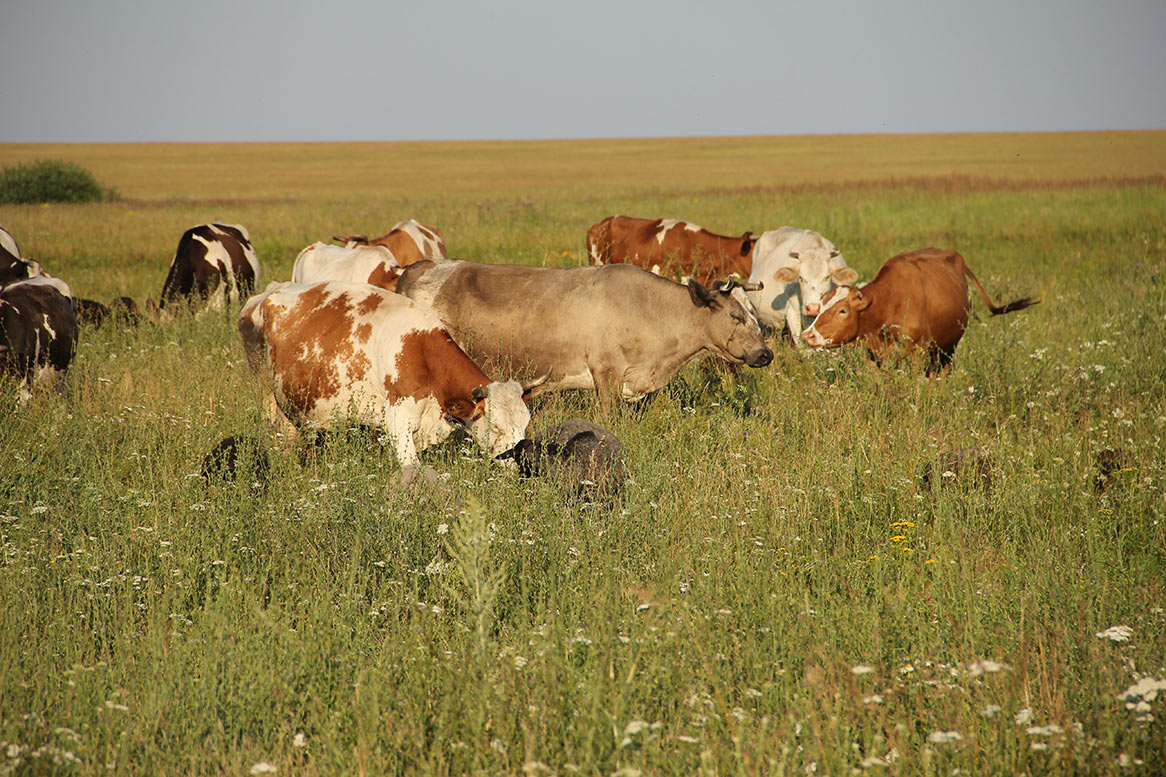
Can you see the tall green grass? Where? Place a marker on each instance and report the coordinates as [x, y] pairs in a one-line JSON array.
[[776, 539]]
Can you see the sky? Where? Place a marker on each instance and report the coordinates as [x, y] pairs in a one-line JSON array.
[[340, 70]]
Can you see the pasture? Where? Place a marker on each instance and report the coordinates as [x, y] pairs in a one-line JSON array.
[[807, 573]]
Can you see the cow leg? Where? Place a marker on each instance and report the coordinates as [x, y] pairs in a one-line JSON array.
[[606, 390], [793, 322], [278, 421]]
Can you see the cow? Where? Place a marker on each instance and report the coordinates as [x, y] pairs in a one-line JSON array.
[[670, 247], [919, 299], [614, 329], [409, 241], [795, 267], [214, 263], [372, 264], [38, 332], [350, 352]]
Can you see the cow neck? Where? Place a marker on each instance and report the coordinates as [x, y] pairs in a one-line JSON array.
[[453, 373]]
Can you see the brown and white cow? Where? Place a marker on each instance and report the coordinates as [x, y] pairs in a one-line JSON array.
[[918, 299], [410, 241], [672, 248], [614, 329], [214, 263], [349, 352], [38, 332], [372, 264]]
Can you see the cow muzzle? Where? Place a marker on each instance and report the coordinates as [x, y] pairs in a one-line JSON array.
[[759, 358], [812, 309], [814, 339]]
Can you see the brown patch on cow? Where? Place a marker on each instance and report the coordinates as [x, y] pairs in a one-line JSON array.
[[385, 277], [430, 364], [312, 340], [678, 250], [368, 304]]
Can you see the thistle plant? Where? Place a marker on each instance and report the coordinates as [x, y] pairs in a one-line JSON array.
[[477, 582]]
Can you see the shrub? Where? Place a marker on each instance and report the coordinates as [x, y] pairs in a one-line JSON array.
[[48, 180]]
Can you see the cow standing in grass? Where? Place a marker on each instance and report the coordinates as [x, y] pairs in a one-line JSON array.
[[346, 352], [214, 263], [795, 267], [918, 300], [38, 332], [616, 330]]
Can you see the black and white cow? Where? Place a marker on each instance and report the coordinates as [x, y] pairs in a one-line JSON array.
[[38, 332], [214, 263]]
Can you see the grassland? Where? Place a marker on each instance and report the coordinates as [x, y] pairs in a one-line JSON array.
[[779, 591]]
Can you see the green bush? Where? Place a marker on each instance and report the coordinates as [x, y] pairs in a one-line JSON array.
[[49, 180]]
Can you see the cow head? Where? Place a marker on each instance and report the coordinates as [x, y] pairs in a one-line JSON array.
[[731, 324], [816, 270], [500, 416], [837, 323]]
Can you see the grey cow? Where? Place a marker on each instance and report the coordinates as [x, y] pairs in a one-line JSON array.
[[614, 329]]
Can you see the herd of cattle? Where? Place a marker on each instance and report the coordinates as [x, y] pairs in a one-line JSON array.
[[393, 334]]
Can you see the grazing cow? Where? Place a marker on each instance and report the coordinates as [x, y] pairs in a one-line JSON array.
[[918, 298], [348, 351], [214, 262], [796, 267], [235, 455], [38, 332], [671, 248], [409, 241], [578, 452], [613, 329], [372, 264]]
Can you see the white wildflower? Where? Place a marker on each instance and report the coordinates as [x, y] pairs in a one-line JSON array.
[[443, 528], [991, 710], [1116, 633], [861, 669], [986, 667], [1044, 731], [874, 698], [1039, 746], [263, 767], [943, 737], [873, 760], [1022, 717], [299, 740]]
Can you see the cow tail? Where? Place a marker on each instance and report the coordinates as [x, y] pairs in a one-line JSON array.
[[599, 242], [1019, 304]]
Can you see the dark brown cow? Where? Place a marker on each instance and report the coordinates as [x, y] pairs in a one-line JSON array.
[[919, 299], [410, 241], [38, 332], [213, 262], [674, 249]]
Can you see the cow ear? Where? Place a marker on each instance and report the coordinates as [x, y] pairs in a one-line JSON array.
[[861, 301], [699, 294], [786, 275], [795, 255], [835, 253], [844, 276], [747, 243]]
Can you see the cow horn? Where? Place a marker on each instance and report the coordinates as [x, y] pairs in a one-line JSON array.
[[752, 286], [531, 383], [835, 253]]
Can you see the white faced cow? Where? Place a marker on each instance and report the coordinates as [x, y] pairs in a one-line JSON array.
[[372, 264], [351, 352], [614, 329], [214, 262], [796, 267]]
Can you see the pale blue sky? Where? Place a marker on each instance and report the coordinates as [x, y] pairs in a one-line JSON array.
[[123, 70]]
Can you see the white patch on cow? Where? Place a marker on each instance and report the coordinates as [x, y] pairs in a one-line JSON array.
[[667, 224], [435, 278], [356, 264], [595, 257], [49, 327]]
